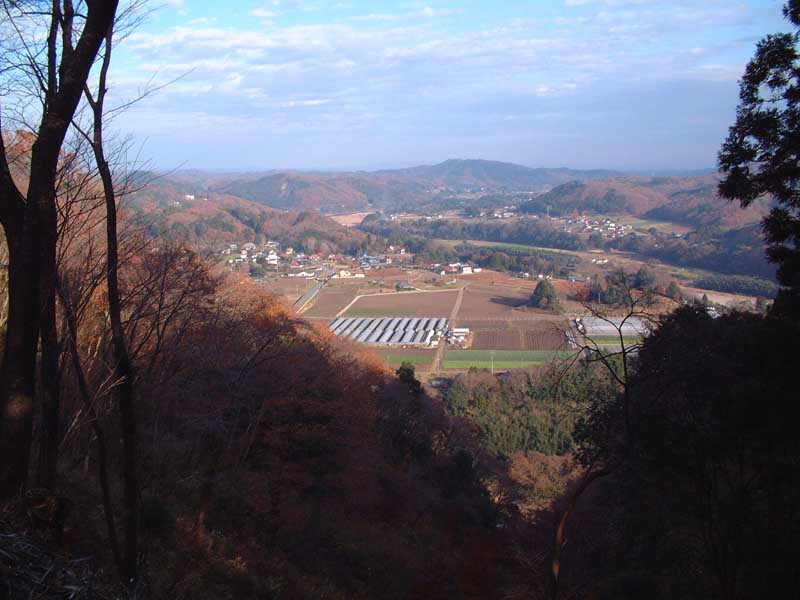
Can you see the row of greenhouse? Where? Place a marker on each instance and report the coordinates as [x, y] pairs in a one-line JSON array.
[[422, 331]]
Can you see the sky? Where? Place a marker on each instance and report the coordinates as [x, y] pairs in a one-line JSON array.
[[339, 85]]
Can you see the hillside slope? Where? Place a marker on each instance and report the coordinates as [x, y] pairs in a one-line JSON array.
[[690, 200], [166, 208]]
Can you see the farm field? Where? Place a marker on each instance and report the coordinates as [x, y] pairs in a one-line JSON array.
[[483, 301], [714, 296], [500, 359], [350, 219], [508, 246], [647, 224], [610, 340], [329, 303], [530, 335], [406, 304], [394, 357], [617, 260], [290, 289]]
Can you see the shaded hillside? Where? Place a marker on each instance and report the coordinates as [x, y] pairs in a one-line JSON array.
[[690, 200], [300, 191], [398, 189], [165, 210], [494, 174]]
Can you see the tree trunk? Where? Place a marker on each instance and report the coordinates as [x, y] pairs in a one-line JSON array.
[[30, 227], [18, 385], [49, 435], [123, 367], [102, 453], [123, 372]]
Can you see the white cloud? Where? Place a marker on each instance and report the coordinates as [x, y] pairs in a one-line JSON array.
[[416, 73], [315, 102], [263, 13]]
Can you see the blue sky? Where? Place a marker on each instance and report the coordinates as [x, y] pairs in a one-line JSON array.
[[307, 84]]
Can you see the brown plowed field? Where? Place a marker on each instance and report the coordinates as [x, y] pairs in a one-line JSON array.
[[289, 288], [502, 335], [327, 304], [482, 300], [406, 304]]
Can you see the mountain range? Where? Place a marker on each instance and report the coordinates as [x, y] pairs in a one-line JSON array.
[[394, 189], [236, 205]]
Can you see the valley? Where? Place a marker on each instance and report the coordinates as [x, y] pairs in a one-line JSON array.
[[408, 243]]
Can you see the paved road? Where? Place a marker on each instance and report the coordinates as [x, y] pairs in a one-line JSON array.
[[437, 358], [306, 298]]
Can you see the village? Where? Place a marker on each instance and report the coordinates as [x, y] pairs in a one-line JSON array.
[[271, 260]]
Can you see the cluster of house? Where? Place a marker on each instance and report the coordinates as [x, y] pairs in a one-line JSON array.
[[270, 254], [507, 212], [454, 269], [606, 227], [252, 253]]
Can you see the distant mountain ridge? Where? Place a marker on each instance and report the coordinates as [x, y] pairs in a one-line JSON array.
[[690, 199], [397, 188], [479, 172]]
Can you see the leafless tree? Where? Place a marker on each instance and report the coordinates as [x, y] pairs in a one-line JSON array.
[[54, 71]]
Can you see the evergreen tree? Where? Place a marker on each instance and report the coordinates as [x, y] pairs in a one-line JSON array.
[[760, 155], [645, 279], [673, 291], [544, 296]]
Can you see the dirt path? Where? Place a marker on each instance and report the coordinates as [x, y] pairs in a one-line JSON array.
[[437, 358]]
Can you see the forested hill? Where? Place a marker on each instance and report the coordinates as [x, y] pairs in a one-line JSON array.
[[395, 189], [175, 209], [495, 174], [690, 200]]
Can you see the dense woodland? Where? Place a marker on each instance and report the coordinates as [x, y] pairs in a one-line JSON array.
[[169, 431], [732, 252]]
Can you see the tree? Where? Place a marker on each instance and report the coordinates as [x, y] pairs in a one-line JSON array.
[[761, 154], [407, 374], [673, 290], [58, 67], [597, 240], [544, 296], [645, 279], [711, 472]]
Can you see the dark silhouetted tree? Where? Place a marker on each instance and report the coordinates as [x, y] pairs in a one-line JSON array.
[[762, 152], [59, 66], [645, 279]]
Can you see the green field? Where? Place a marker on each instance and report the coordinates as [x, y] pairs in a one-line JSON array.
[[415, 359], [613, 340], [647, 224], [503, 359], [507, 246]]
